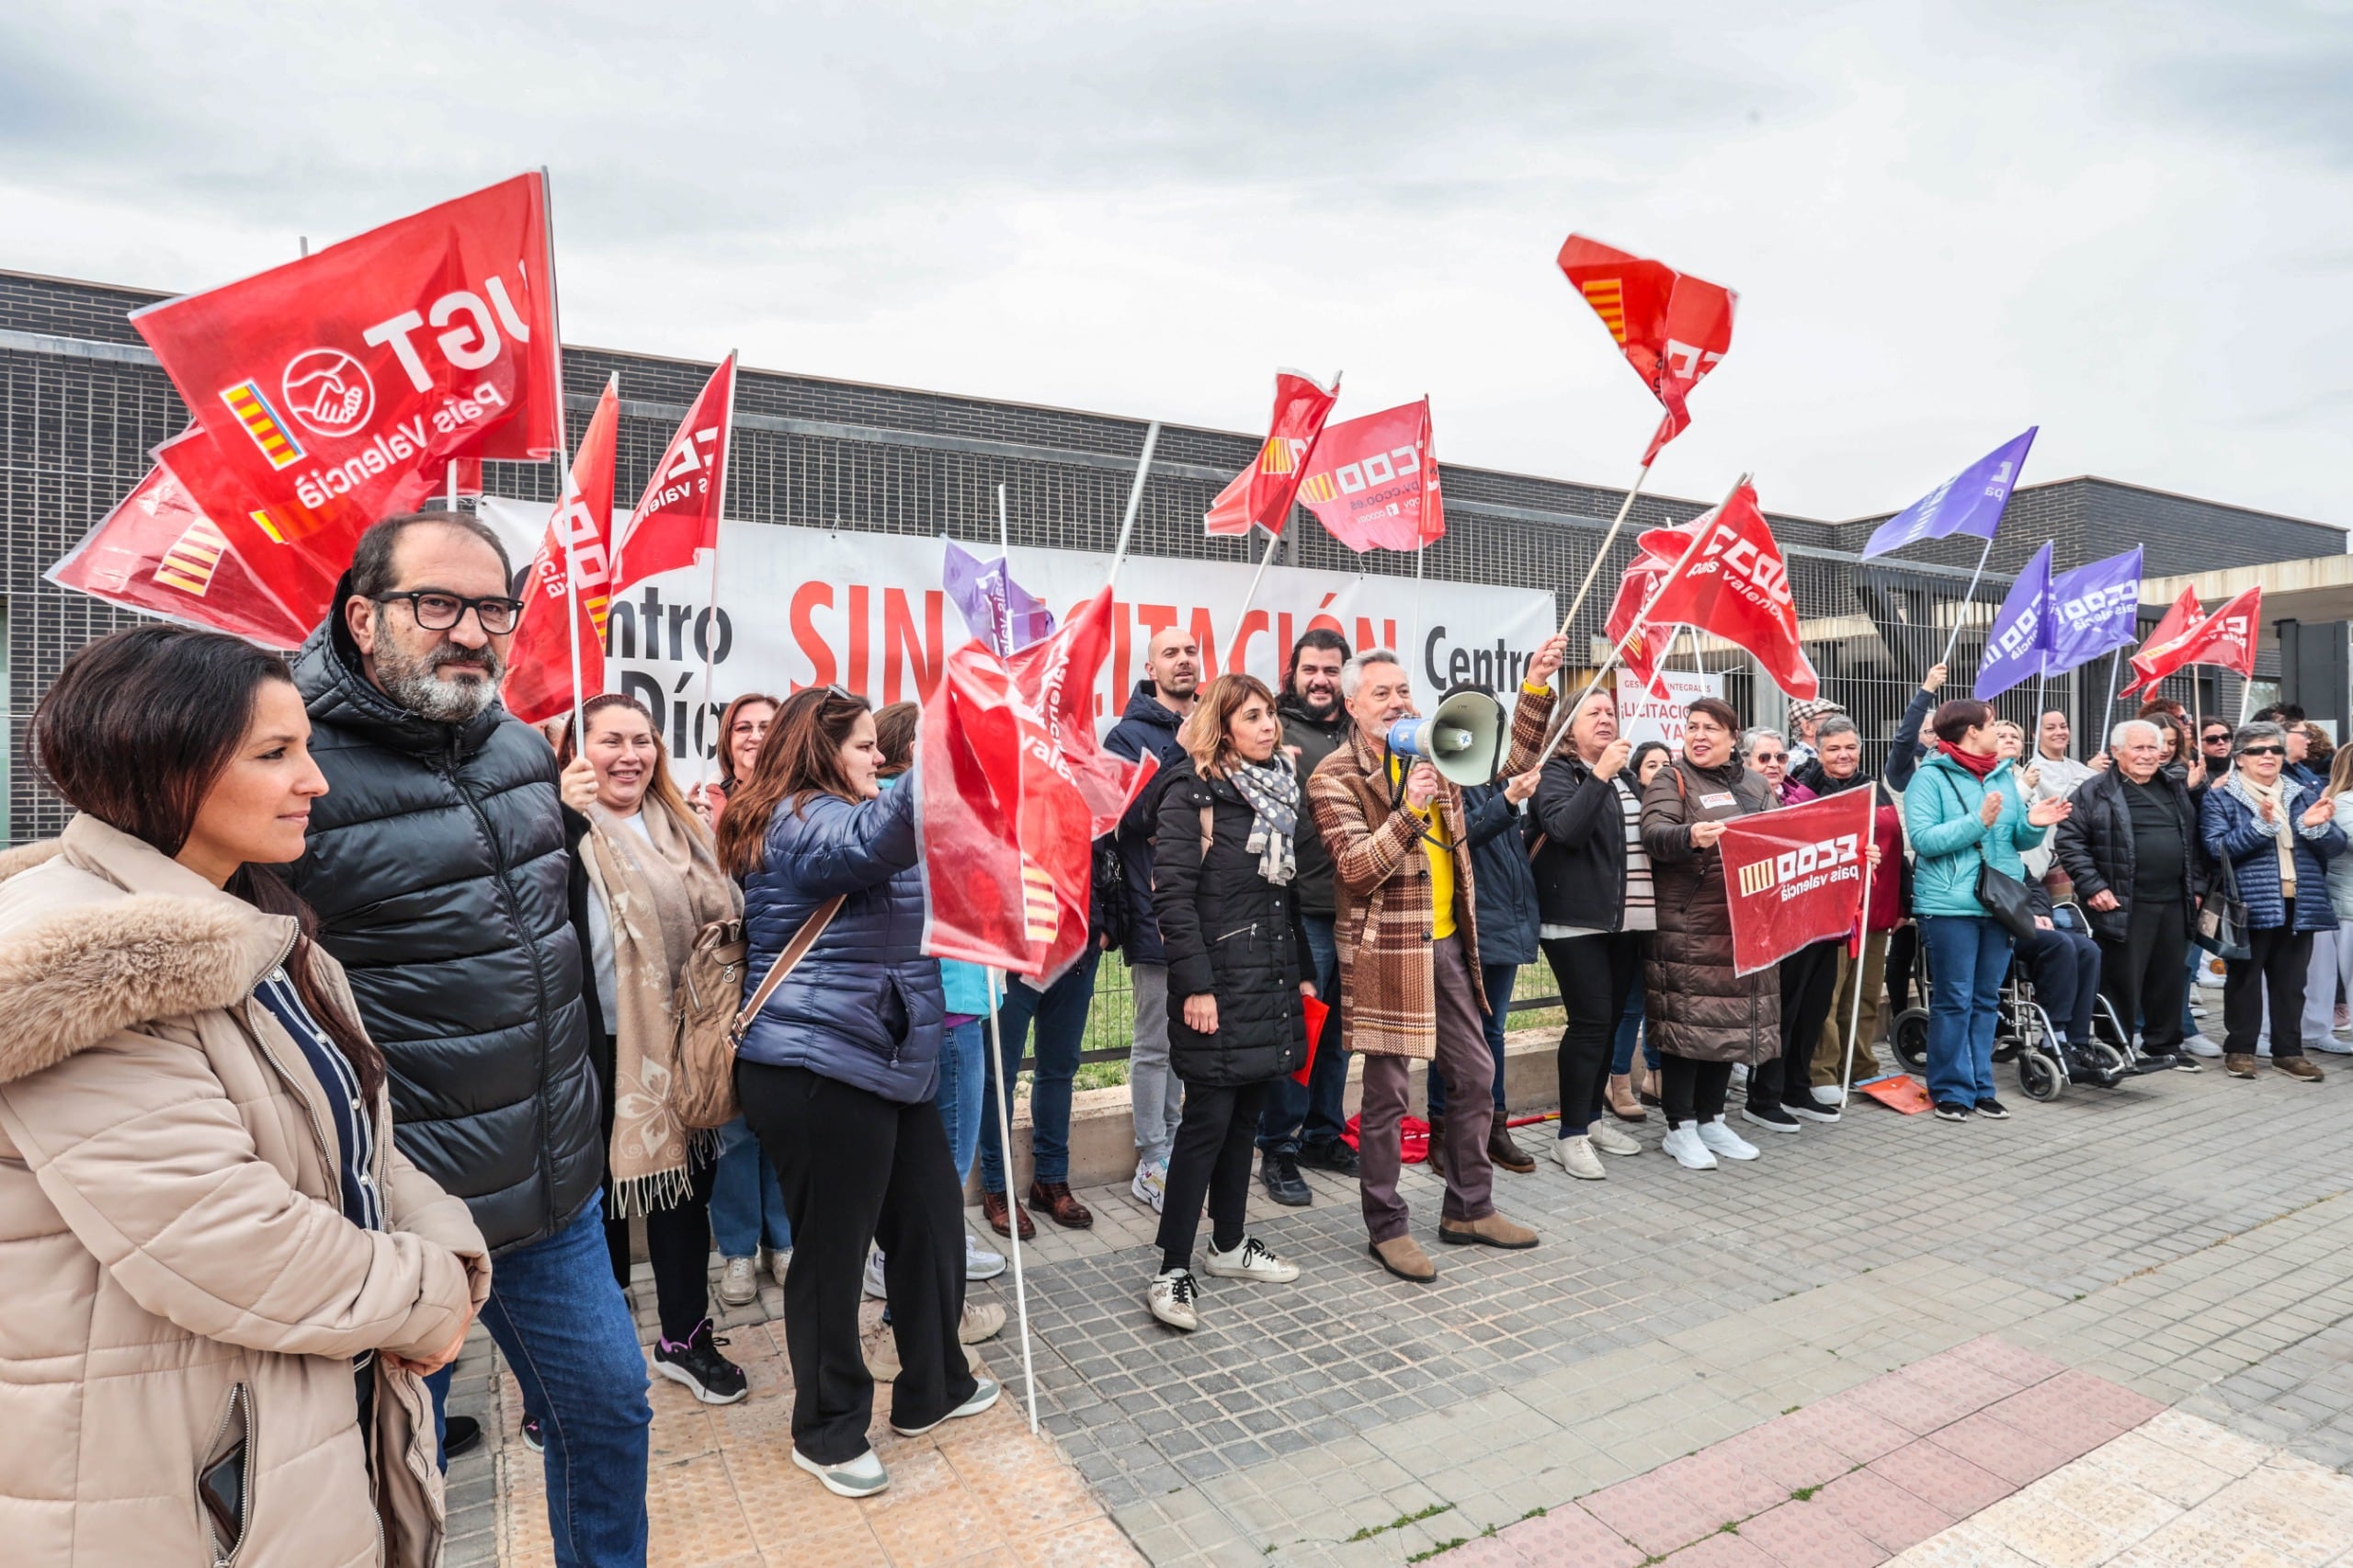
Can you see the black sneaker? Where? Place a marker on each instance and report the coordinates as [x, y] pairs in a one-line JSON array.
[[459, 1435], [1994, 1109], [1279, 1172], [1772, 1118], [1335, 1156], [533, 1439], [2085, 1067], [714, 1379], [1952, 1110]]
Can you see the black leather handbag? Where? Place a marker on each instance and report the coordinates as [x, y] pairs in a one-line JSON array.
[[2003, 897], [2222, 917]]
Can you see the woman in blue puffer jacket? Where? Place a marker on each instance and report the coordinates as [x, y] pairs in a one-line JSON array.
[[2277, 834], [835, 1073]]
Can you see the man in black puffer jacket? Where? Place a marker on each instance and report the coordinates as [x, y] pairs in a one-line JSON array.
[[438, 865]]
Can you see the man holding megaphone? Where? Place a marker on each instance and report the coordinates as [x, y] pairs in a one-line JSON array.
[[1389, 805]]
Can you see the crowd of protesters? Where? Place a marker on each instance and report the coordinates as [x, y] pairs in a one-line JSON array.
[[348, 1014]]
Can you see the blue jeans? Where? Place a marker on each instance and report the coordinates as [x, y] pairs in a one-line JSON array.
[[566, 1333], [1315, 1112], [1630, 1033], [1496, 978], [746, 1209], [1060, 1015], [963, 1094], [1968, 955]]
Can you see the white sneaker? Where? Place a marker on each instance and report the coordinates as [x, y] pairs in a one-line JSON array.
[[2334, 1046], [1610, 1141], [982, 1397], [1151, 1186], [778, 1263], [982, 1320], [861, 1477], [1723, 1141], [1251, 1260], [979, 1262], [2199, 1045], [739, 1282], [1683, 1143], [1576, 1156], [874, 1286], [1171, 1300], [1828, 1097]]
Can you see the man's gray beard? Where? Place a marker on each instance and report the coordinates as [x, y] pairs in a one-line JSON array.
[[414, 684]]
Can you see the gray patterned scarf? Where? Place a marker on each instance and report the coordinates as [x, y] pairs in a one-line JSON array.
[[1272, 790]]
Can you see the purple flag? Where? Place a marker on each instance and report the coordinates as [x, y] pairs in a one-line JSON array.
[[2019, 642], [996, 609], [1971, 502], [2092, 609]]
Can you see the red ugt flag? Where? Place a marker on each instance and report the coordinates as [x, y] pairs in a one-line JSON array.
[[579, 544], [678, 514], [2180, 617], [336, 389], [157, 553], [1794, 877], [1261, 494], [1375, 480], [1736, 586], [1672, 327]]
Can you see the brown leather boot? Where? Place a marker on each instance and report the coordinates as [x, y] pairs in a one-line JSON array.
[[2302, 1067], [1404, 1257], [1624, 1104], [994, 1208], [1487, 1230], [1054, 1198], [1437, 1159], [1502, 1152]]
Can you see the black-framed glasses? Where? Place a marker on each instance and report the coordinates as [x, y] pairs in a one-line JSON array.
[[2264, 751], [2219, 738], [440, 612]]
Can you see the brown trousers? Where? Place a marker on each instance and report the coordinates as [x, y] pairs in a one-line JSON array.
[[1469, 1071]]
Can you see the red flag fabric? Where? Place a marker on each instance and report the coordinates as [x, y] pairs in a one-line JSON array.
[[1316, 1014], [678, 514], [1672, 327], [1643, 645], [1736, 586], [157, 553], [579, 544], [1373, 482], [983, 904], [1261, 494], [300, 582], [2180, 617], [335, 387], [2225, 638], [1794, 877]]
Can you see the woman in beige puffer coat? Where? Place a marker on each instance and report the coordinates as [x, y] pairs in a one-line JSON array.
[[186, 1306]]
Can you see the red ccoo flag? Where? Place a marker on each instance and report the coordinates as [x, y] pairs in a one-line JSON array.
[[336, 389], [575, 552], [1261, 494], [2225, 638], [1794, 877], [1643, 645], [1374, 484], [1672, 327], [2180, 617], [1734, 585], [678, 514], [983, 902]]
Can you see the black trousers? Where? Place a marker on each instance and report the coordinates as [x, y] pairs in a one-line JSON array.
[[1211, 1159], [2280, 957], [2144, 975], [1903, 955], [678, 1245], [2064, 967], [1692, 1091], [855, 1168], [1809, 985], [1595, 975]]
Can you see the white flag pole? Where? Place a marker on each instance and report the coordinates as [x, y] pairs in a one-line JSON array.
[[711, 629], [1012, 1199], [1005, 581], [1862, 958], [1257, 578], [1968, 597], [1602, 553], [1135, 500]]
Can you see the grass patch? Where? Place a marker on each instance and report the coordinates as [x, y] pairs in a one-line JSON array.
[[1803, 1494], [1441, 1546], [1402, 1520], [1534, 1514]]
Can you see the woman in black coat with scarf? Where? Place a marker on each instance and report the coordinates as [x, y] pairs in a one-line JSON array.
[[1221, 890]]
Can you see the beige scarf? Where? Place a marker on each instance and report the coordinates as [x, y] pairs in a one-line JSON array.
[[2282, 831], [658, 892]]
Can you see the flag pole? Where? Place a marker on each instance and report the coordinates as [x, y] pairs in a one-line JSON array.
[[1257, 577], [1005, 583], [1968, 597], [2042, 691], [1602, 553], [1135, 499], [1862, 956], [1012, 1203], [1617, 649], [710, 637]]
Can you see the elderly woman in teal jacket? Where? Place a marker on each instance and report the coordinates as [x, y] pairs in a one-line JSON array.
[[1963, 812]]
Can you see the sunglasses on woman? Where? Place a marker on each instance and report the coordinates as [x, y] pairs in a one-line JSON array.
[[2264, 751]]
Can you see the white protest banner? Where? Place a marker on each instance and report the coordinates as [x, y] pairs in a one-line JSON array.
[[1642, 717], [808, 607]]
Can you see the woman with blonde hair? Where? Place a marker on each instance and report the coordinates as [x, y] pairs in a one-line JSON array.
[[1224, 869]]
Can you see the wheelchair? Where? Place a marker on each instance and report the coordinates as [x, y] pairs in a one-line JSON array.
[[2024, 1034]]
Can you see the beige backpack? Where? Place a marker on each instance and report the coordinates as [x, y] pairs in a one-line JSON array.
[[712, 1013]]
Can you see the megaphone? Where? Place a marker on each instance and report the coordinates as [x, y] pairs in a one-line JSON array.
[[1463, 740]]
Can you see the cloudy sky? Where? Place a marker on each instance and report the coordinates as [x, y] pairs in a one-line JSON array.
[[2130, 223]]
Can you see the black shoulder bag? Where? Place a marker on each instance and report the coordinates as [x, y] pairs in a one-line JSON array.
[[2002, 897]]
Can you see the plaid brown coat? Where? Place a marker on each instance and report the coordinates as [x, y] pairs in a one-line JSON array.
[[1381, 885]]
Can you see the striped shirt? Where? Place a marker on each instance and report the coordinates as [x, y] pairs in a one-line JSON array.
[[354, 1134], [1640, 912]]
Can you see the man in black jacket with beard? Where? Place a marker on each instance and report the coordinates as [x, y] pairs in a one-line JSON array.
[[1304, 1124], [438, 865]]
